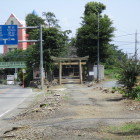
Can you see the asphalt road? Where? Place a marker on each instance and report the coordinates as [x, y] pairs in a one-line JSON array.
[[12, 96]]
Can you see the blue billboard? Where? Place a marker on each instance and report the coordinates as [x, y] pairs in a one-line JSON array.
[[8, 35]]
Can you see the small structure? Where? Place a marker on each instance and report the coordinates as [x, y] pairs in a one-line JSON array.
[[101, 72], [10, 79], [75, 65]]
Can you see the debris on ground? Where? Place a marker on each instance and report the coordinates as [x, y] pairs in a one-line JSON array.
[[73, 113]]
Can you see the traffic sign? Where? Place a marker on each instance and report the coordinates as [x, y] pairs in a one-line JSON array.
[[8, 35]]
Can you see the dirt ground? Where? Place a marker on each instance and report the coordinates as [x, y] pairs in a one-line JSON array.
[[73, 112]]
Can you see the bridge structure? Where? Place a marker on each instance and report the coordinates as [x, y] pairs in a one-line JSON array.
[[15, 64]]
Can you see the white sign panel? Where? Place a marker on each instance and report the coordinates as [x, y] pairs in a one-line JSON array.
[[91, 73], [10, 77]]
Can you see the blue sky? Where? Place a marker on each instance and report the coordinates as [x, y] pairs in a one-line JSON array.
[[124, 14]]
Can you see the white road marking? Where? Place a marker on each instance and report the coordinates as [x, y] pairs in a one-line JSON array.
[[5, 112]]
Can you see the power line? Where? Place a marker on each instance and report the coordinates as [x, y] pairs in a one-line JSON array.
[[123, 41], [129, 43], [129, 48], [126, 44], [125, 35]]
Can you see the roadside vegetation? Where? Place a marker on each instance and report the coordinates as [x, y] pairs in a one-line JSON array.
[[110, 73], [127, 131], [128, 76]]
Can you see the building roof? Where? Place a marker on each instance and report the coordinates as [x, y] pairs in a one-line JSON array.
[[34, 13], [21, 22]]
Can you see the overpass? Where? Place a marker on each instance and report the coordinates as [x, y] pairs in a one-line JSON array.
[[14, 64]]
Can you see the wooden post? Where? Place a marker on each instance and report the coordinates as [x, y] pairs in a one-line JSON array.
[[80, 72], [60, 72]]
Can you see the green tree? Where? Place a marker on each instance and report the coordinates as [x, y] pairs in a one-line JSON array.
[[115, 57], [55, 43], [94, 7], [50, 19], [129, 71], [17, 55], [32, 61], [1, 57], [87, 34], [33, 20]]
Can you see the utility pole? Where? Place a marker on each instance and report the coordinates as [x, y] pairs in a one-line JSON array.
[[98, 53], [41, 58], [136, 45]]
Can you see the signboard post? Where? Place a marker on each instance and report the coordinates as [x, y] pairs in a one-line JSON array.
[[8, 35]]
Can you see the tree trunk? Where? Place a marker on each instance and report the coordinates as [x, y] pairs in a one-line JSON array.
[[49, 76]]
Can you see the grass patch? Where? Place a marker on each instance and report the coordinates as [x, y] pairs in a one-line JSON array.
[[131, 127], [127, 128], [128, 131], [137, 99], [66, 97], [111, 73]]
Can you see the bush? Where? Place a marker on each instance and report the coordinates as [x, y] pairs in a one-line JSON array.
[[136, 93], [129, 71]]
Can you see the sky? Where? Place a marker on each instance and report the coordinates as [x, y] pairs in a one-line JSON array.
[[123, 13]]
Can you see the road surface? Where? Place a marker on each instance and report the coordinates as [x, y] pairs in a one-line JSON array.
[[12, 96]]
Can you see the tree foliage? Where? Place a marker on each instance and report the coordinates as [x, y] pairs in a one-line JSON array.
[[55, 43], [94, 7], [116, 56], [129, 72], [33, 20], [17, 55], [87, 34], [50, 19]]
